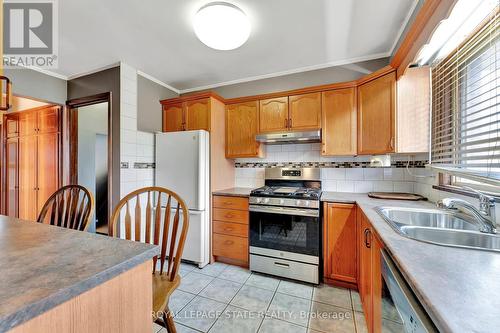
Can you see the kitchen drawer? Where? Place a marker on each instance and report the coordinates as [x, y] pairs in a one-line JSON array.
[[232, 247], [230, 202], [231, 229], [230, 215]]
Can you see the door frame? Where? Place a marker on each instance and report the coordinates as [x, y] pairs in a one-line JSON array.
[[71, 123]]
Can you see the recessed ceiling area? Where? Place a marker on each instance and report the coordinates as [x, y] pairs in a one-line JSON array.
[[157, 37]]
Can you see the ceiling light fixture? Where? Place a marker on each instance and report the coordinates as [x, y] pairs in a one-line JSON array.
[[221, 26]]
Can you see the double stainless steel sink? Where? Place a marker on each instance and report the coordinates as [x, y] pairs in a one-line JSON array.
[[439, 226]]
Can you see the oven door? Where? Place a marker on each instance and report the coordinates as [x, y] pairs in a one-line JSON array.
[[401, 311], [288, 229]]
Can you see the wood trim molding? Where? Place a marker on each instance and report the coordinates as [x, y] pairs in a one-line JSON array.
[[427, 19], [375, 75], [192, 97]]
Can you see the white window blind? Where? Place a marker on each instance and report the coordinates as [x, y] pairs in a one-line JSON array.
[[465, 104]]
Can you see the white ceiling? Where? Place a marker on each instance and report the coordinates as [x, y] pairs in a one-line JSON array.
[[156, 37]]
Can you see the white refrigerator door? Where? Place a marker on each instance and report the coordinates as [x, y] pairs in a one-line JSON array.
[[182, 165]]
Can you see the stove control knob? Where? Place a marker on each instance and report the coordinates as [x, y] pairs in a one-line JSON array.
[[307, 203], [282, 201], [266, 200], [298, 203], [258, 200]]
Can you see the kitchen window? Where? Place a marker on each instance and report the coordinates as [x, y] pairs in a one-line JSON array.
[[466, 112]]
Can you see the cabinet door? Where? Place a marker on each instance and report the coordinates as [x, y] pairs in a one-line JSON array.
[[365, 267], [28, 123], [12, 155], [48, 120], [48, 167], [241, 128], [305, 111], [339, 132], [173, 119], [340, 249], [197, 115], [28, 177], [12, 127], [273, 115], [376, 115], [376, 284]]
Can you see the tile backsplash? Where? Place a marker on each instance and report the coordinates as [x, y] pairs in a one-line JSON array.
[[341, 174]]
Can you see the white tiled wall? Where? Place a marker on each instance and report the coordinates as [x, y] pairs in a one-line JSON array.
[[343, 179], [333, 179], [135, 146]]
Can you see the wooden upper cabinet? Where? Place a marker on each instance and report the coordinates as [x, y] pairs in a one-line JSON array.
[[305, 111], [197, 114], [173, 118], [48, 120], [340, 247], [28, 123], [413, 110], [377, 115], [338, 113], [273, 115], [241, 129]]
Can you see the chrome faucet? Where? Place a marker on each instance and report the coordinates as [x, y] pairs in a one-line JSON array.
[[485, 215]]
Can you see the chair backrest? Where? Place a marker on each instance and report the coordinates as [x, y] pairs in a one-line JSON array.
[[71, 207], [149, 226]]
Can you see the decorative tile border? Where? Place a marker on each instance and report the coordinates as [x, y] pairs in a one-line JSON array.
[[137, 165], [337, 165], [144, 165]]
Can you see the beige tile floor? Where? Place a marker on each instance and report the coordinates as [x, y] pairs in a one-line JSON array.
[[221, 298]]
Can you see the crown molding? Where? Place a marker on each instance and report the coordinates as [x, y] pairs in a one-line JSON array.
[[288, 72], [92, 71], [44, 71], [161, 83], [404, 25]]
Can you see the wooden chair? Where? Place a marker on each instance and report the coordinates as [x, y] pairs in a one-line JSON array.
[[70, 207], [167, 279]]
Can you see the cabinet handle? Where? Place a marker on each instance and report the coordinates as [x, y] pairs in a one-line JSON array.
[[391, 143], [286, 123], [228, 229], [229, 215], [290, 123], [367, 241], [228, 242]]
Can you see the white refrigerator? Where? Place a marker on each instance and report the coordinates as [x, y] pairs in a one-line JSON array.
[[183, 166]]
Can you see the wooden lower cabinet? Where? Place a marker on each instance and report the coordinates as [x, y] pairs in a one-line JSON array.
[[340, 247], [230, 220], [370, 275]]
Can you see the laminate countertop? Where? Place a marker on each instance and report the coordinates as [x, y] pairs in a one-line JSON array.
[[42, 266], [235, 192], [459, 288]]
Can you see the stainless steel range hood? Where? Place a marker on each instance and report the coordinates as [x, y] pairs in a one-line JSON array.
[[290, 137]]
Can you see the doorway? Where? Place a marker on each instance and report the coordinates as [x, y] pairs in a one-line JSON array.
[[90, 153]]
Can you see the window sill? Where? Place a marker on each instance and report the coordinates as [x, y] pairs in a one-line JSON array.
[[461, 191]]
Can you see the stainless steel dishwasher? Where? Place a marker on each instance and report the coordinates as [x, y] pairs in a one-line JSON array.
[[401, 311]]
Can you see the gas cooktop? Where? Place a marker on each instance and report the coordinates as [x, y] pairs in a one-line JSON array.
[[287, 192]]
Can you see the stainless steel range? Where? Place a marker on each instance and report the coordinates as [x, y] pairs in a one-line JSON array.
[[285, 224]]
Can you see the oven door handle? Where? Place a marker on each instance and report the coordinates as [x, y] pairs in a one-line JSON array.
[[285, 211]]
